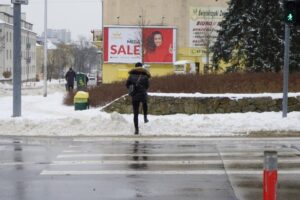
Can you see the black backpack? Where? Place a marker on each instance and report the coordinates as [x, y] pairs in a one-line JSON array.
[[132, 87]]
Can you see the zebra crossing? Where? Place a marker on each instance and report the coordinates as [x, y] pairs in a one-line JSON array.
[[179, 157], [146, 168]]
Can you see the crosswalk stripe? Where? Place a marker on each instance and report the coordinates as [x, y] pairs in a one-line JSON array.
[[131, 155], [188, 172], [163, 162], [182, 138], [149, 162], [128, 162], [173, 154]]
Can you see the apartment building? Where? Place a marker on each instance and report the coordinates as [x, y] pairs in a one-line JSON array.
[[28, 46], [58, 35]]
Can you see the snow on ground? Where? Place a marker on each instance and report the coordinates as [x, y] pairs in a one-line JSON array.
[[47, 116]]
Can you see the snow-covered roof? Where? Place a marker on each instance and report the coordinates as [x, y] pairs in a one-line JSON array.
[[50, 45]]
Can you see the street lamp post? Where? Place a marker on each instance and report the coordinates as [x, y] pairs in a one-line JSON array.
[[102, 31], [45, 50], [17, 68]]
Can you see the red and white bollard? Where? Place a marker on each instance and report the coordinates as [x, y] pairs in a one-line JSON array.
[[270, 175]]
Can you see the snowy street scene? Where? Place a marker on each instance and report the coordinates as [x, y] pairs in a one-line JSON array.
[[103, 157], [149, 100]]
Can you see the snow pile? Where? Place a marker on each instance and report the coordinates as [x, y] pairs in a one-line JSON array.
[[33, 88], [47, 116]]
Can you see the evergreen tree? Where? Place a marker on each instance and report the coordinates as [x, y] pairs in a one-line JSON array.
[[295, 49], [251, 36]]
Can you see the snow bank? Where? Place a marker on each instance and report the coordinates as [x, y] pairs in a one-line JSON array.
[[47, 116]]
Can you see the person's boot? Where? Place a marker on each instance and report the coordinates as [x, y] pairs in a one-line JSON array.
[[136, 132], [146, 119]]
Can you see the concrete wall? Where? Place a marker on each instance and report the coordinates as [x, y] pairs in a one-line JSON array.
[[204, 105]]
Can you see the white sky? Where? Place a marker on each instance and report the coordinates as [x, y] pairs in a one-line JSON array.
[[49, 117], [78, 16]]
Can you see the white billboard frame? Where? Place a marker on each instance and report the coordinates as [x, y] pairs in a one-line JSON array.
[[122, 61]]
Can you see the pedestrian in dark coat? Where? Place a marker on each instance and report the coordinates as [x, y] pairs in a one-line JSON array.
[[139, 77], [70, 78]]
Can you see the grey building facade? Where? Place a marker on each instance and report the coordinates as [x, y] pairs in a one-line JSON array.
[[28, 40]]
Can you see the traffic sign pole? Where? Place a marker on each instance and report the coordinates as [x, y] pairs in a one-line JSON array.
[[286, 71]]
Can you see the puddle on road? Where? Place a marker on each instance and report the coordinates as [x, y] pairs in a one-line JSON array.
[[138, 148]]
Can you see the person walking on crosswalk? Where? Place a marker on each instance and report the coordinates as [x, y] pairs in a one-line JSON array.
[[139, 80]]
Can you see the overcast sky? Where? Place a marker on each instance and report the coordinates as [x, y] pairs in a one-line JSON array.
[[78, 16]]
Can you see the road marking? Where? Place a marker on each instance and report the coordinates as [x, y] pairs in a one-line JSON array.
[[190, 172], [71, 151], [131, 155], [149, 162], [184, 138], [23, 163], [131, 172], [128, 162], [248, 154], [168, 162]]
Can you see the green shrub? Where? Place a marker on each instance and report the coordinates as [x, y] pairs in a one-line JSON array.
[[6, 74]]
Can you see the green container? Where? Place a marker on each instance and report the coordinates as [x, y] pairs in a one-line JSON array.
[[81, 80], [81, 106], [81, 100]]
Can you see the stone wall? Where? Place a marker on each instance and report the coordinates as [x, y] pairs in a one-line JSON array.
[[160, 105]]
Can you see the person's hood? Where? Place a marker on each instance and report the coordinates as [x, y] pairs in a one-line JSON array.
[[140, 70]]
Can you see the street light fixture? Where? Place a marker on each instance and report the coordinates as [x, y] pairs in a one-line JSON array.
[[24, 2]]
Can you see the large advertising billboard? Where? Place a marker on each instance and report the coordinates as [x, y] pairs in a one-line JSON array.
[[124, 45], [203, 27], [159, 45]]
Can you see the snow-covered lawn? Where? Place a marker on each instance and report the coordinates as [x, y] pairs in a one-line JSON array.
[[47, 116]]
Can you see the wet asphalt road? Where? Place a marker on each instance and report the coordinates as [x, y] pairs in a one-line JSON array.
[[33, 168]]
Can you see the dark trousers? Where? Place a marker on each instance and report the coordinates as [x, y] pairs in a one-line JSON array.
[[70, 87], [136, 106]]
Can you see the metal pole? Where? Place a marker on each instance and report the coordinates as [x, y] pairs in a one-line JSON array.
[[102, 54], [270, 175], [17, 71], [286, 71], [45, 50]]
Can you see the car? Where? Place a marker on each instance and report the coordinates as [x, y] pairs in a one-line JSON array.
[[92, 80]]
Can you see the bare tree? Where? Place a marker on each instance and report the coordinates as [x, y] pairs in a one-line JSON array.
[[208, 38], [85, 56], [141, 24]]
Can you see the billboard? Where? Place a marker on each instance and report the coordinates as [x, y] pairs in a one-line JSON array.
[[203, 26], [124, 44], [159, 45]]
